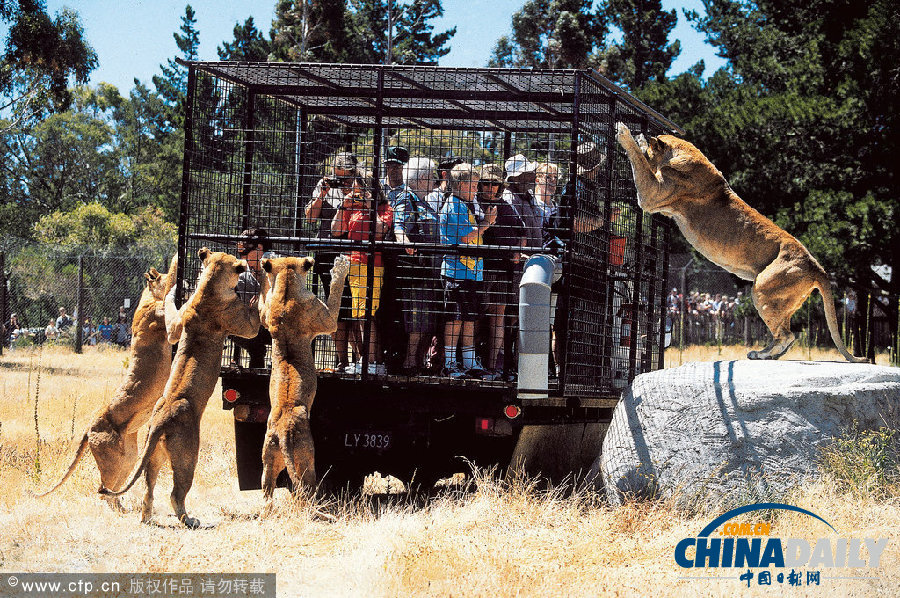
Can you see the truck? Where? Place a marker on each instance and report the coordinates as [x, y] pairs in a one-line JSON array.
[[259, 139]]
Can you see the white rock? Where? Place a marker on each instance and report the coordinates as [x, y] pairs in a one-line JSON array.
[[737, 430]]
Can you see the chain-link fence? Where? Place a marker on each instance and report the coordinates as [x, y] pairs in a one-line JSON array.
[[70, 296], [708, 306]]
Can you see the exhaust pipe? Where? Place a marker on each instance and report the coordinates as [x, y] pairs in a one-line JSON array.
[[541, 271]]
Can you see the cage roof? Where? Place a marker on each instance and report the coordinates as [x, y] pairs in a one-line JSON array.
[[436, 97]]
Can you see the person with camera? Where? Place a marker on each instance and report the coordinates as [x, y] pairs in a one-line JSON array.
[[352, 221], [328, 195]]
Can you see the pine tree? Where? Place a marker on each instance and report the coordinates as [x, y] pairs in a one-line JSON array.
[[309, 31], [171, 85], [644, 53], [552, 34], [249, 44]]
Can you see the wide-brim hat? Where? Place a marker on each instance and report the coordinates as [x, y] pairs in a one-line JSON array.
[[396, 155], [518, 165], [590, 156], [491, 173]]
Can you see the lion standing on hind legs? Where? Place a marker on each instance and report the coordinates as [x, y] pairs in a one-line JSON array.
[[673, 178], [213, 312], [112, 436], [294, 316]]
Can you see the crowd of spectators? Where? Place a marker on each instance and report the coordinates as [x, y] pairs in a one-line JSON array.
[[62, 330]]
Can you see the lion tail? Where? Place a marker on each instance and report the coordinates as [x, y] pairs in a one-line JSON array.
[[824, 287], [153, 437], [78, 454]]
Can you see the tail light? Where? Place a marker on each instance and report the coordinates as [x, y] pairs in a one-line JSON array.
[[231, 395]]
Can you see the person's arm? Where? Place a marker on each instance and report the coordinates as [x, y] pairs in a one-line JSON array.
[[490, 216], [340, 224], [314, 207], [403, 222]]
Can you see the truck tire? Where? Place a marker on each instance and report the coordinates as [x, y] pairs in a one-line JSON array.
[[557, 452]]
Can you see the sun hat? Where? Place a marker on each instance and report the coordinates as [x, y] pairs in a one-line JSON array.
[[518, 165]]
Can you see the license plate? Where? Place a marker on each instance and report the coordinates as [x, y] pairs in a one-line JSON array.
[[377, 441]]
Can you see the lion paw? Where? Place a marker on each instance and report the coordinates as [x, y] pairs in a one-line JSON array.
[[190, 522], [341, 267], [642, 142], [623, 133]]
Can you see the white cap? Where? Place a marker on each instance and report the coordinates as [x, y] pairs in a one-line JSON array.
[[518, 165]]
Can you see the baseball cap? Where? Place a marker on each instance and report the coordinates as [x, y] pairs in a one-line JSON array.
[[396, 155]]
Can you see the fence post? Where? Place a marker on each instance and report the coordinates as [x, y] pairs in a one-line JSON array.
[[78, 305], [3, 320]]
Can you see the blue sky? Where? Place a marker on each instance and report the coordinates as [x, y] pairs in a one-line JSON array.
[[133, 37]]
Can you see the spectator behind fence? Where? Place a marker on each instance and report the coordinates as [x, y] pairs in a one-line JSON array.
[[88, 332], [502, 270], [352, 221], [327, 197], [51, 332], [519, 192], [121, 334], [435, 199], [546, 179], [415, 221], [63, 322], [11, 330], [462, 274], [254, 242], [105, 330]]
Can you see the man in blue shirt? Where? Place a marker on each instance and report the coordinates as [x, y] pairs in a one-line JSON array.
[[416, 222]]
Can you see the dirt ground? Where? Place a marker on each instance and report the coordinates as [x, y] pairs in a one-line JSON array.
[[495, 540]]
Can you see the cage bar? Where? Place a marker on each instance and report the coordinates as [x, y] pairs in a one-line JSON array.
[[265, 140]]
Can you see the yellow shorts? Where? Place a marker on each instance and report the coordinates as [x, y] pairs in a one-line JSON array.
[[358, 289]]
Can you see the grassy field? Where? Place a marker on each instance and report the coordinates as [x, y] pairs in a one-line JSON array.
[[498, 540]]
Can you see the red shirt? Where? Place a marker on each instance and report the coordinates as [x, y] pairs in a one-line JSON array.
[[356, 222]]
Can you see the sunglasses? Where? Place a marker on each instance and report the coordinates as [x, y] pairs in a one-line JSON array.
[[244, 249]]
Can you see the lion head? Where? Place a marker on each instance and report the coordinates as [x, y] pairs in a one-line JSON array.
[[220, 274]]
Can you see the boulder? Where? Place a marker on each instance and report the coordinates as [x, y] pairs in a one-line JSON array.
[[737, 431]]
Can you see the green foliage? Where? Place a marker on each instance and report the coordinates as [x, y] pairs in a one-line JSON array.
[[309, 31], [804, 124], [644, 54], [93, 225], [864, 463], [552, 34], [171, 85], [249, 44], [357, 31], [41, 56]]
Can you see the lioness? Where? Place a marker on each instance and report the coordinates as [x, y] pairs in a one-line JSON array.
[[213, 312], [112, 436], [294, 316], [673, 178]]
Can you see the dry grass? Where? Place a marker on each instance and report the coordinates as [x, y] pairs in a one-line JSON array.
[[498, 540]]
